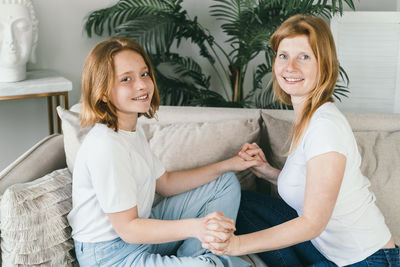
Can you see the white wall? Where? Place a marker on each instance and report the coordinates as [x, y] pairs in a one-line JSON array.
[[63, 47]]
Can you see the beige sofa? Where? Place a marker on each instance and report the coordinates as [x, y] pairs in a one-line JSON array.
[[182, 137]]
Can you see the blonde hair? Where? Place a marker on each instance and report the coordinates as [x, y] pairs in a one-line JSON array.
[[98, 80], [323, 46]]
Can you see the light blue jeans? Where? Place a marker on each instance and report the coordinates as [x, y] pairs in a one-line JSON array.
[[223, 194]]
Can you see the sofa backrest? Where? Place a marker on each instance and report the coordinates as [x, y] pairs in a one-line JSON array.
[[179, 114]]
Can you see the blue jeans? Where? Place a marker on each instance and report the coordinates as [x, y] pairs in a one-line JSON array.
[[259, 211], [381, 258], [223, 194]]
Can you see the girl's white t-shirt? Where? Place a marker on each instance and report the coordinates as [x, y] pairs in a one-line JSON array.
[[114, 171], [357, 228]]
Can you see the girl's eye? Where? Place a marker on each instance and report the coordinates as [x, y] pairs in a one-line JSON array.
[[145, 74], [125, 79]]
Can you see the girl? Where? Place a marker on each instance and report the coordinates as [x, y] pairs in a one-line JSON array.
[[116, 176], [328, 200]]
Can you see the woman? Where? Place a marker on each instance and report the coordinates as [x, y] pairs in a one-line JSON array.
[[328, 201]]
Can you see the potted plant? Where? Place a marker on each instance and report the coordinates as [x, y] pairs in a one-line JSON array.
[[160, 26]]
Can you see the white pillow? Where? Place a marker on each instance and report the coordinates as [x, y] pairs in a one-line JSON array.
[[34, 227], [73, 134]]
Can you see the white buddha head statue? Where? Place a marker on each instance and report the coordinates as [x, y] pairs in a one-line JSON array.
[[18, 38]]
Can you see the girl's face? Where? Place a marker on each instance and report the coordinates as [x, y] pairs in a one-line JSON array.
[[296, 67], [133, 87]]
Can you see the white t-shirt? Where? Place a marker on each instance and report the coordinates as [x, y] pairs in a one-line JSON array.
[[114, 171], [357, 228]]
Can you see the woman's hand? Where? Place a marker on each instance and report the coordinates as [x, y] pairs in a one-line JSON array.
[[214, 228], [251, 152], [254, 151], [229, 247]]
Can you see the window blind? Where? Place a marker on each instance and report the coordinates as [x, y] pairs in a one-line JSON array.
[[368, 46]]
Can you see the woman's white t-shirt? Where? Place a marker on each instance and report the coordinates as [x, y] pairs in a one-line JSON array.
[[114, 171], [357, 228]]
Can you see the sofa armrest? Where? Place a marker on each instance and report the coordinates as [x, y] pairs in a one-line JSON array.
[[45, 156]]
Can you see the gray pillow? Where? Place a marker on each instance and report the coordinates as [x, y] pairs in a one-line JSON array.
[[274, 139], [34, 227], [194, 144], [380, 151]]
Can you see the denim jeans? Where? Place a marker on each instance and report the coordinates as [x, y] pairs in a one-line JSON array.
[[223, 194], [259, 211]]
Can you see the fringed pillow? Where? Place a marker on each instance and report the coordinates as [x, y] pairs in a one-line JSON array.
[[34, 227]]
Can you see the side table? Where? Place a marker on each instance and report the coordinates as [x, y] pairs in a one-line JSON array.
[[40, 83]]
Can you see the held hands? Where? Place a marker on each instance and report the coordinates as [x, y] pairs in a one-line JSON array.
[[215, 232], [242, 160], [252, 152]]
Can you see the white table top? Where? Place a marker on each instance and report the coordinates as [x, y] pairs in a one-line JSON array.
[[36, 82]]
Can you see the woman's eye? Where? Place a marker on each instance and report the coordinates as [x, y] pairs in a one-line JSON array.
[[145, 74], [126, 79], [282, 56], [304, 57]]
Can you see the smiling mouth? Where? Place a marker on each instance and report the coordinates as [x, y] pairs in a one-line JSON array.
[[293, 79], [143, 97]]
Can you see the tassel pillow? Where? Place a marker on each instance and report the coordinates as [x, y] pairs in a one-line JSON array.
[[34, 227]]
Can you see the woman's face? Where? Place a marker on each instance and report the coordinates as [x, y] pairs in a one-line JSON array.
[[16, 35], [296, 67]]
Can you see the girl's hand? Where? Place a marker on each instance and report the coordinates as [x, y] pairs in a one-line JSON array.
[[229, 247], [237, 163], [214, 227]]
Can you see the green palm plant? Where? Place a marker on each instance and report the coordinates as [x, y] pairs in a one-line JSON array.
[[161, 26]]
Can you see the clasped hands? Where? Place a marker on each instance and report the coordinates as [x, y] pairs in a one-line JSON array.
[[215, 232], [217, 229]]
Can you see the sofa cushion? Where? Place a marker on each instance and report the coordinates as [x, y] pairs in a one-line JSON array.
[[380, 162], [34, 228], [194, 144], [274, 139]]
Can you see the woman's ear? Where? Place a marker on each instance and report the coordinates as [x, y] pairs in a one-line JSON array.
[[104, 99]]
